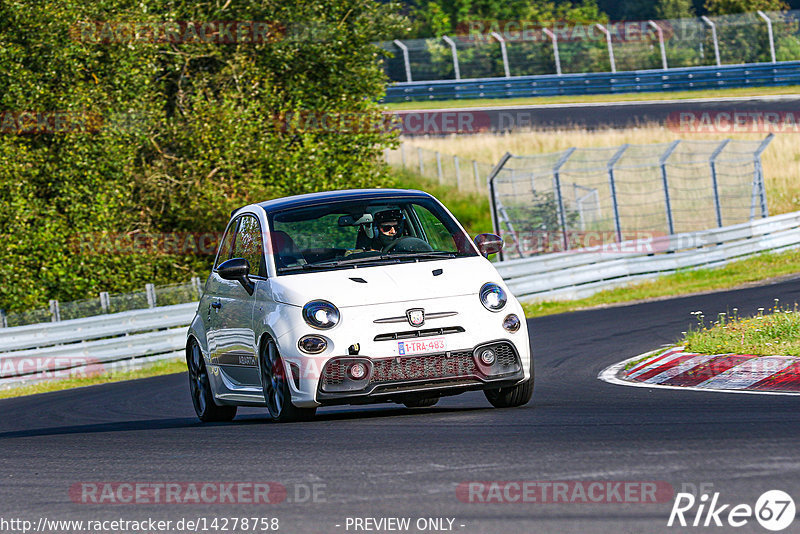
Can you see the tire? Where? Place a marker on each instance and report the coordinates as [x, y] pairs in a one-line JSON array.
[[207, 410], [275, 385], [421, 403], [513, 396]]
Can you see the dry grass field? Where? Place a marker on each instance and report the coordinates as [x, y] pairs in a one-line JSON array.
[[781, 160]]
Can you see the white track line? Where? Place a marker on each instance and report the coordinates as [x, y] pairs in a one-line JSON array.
[[611, 375]]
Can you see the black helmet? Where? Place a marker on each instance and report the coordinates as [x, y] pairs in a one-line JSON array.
[[394, 217]]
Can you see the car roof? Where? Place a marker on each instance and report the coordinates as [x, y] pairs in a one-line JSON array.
[[311, 199]]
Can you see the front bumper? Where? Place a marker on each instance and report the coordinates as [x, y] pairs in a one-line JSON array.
[[425, 375]]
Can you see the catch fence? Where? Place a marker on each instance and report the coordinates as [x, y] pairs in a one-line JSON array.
[[585, 197], [504, 49]]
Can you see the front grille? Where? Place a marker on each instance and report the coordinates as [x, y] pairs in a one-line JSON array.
[[409, 334], [427, 367], [506, 357], [334, 373]]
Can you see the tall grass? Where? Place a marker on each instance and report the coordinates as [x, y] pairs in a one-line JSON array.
[[781, 160]]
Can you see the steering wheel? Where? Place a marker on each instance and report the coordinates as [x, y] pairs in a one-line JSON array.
[[410, 244], [393, 244]]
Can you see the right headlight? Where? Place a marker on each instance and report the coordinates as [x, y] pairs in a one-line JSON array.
[[493, 297], [320, 314]]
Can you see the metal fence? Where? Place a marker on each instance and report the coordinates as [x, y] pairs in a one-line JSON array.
[[152, 296], [446, 169], [514, 48], [555, 202]]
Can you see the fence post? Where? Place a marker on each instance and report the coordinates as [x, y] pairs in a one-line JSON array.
[[769, 34], [104, 301], [609, 45], [150, 290], [657, 28], [439, 167], [759, 175], [406, 61], [403, 154], [714, 184], [662, 161], [613, 188], [3, 319], [55, 312], [492, 203], [454, 53], [554, 40], [503, 51], [477, 176], [713, 37], [198, 286], [458, 173], [421, 166], [557, 186]]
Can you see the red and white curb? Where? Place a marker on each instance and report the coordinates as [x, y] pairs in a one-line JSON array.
[[731, 373]]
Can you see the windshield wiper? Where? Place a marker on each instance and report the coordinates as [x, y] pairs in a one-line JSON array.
[[433, 254]]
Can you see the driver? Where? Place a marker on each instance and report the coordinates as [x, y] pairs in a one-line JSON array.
[[389, 225]]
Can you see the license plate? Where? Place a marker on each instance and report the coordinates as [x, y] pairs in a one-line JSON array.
[[422, 346]]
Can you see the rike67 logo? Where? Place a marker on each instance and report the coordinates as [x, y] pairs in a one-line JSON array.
[[774, 510]]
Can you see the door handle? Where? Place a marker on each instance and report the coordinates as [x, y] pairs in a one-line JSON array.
[[216, 305]]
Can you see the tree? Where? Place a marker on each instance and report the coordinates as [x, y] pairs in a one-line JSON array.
[[170, 135], [730, 7]]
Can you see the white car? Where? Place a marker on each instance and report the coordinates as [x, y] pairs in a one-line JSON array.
[[353, 297]]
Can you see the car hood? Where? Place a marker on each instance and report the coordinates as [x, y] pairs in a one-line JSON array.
[[383, 284]]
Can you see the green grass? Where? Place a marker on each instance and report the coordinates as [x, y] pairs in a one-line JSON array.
[[472, 210], [166, 367], [747, 271], [624, 97], [776, 333]]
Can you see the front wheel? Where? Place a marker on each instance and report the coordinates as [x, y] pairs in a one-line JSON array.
[[275, 385], [513, 396], [202, 397]]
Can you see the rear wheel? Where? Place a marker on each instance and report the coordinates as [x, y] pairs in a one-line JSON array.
[[275, 385], [513, 396], [421, 403], [202, 397]]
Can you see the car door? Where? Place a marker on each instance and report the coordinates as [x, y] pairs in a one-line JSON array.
[[210, 304], [236, 338]]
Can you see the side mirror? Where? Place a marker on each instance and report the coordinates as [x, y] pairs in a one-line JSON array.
[[237, 269], [488, 244]]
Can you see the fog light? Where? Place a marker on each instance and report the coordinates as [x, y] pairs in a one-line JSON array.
[[487, 356], [357, 371], [511, 323], [312, 344]]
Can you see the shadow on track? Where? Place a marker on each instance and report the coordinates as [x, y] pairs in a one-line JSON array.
[[248, 419]]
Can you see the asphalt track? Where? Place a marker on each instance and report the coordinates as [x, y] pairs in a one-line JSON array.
[[624, 114], [389, 461]]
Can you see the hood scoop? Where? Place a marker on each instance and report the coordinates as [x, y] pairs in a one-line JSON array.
[[358, 279], [437, 272]]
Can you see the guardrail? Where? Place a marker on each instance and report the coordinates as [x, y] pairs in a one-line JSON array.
[[93, 344], [638, 81], [581, 273]]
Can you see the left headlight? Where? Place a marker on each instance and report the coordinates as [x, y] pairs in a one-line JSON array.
[[493, 297], [320, 314]]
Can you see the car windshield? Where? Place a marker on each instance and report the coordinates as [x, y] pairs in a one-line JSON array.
[[349, 234]]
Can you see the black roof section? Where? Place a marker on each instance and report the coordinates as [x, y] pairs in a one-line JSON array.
[[312, 199]]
